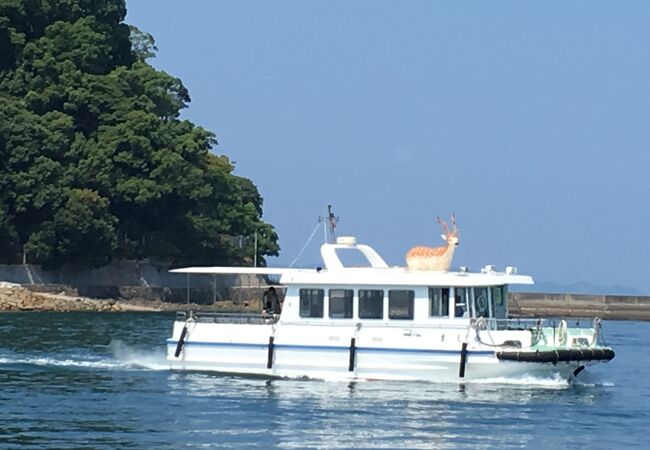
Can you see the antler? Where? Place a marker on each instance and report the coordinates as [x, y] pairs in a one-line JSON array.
[[453, 224], [445, 228]]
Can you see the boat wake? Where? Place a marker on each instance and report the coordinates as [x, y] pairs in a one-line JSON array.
[[138, 358], [125, 357], [121, 357], [552, 382], [549, 382], [67, 362]]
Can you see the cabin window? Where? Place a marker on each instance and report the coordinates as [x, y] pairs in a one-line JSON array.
[[371, 304], [481, 304], [340, 303], [400, 305], [461, 302], [438, 302], [499, 304], [311, 302]]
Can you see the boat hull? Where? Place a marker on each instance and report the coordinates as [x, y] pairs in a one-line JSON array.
[[366, 363]]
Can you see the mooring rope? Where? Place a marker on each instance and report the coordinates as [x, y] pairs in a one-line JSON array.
[[302, 250]]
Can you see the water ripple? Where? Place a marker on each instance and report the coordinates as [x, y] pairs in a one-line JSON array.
[[101, 381]]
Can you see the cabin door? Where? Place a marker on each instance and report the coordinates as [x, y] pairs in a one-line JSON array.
[[500, 306], [481, 304]]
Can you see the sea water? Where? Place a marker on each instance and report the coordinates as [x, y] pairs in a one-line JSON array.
[[88, 380]]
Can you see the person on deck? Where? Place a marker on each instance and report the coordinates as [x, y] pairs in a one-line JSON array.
[[271, 302]]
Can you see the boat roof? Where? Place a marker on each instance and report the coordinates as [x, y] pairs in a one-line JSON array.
[[377, 274], [234, 270], [400, 276]]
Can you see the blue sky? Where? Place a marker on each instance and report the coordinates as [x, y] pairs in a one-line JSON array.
[[529, 120]]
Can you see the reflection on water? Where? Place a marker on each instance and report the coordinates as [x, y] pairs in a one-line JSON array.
[[100, 381], [298, 413]]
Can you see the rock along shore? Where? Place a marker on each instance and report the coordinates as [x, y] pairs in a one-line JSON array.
[[14, 297]]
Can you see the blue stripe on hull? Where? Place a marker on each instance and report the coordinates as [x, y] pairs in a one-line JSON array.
[[328, 348]]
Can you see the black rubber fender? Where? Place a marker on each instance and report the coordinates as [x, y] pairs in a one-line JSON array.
[[560, 355], [181, 342]]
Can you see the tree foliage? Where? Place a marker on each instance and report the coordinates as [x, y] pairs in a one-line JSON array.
[[95, 161]]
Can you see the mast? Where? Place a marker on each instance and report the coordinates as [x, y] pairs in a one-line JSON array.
[[329, 226]]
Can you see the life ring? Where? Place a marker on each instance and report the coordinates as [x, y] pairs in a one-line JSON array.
[[481, 302], [562, 332]]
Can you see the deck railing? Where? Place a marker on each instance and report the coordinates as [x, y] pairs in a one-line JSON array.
[[238, 318], [527, 324], [482, 323]]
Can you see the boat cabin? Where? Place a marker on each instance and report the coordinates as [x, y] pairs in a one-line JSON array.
[[379, 293], [373, 292]]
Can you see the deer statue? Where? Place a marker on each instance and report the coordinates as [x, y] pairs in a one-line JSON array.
[[438, 258]]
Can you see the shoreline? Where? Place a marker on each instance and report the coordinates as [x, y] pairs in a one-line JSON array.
[[608, 307], [17, 298]]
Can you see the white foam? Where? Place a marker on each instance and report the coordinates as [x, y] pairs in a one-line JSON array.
[[555, 382], [594, 384], [124, 358], [103, 364], [527, 380], [138, 357]]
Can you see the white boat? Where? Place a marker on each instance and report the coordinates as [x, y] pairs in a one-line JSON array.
[[381, 322]]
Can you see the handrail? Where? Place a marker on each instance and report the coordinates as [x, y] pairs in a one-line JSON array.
[[395, 324], [527, 323], [492, 324], [236, 318]]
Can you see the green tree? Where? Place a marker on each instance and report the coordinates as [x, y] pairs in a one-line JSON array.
[[82, 230], [95, 161], [144, 45]]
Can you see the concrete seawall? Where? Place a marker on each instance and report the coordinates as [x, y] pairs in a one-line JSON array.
[[613, 307], [133, 280]]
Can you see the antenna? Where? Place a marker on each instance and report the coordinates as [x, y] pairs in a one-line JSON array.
[[329, 225]]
